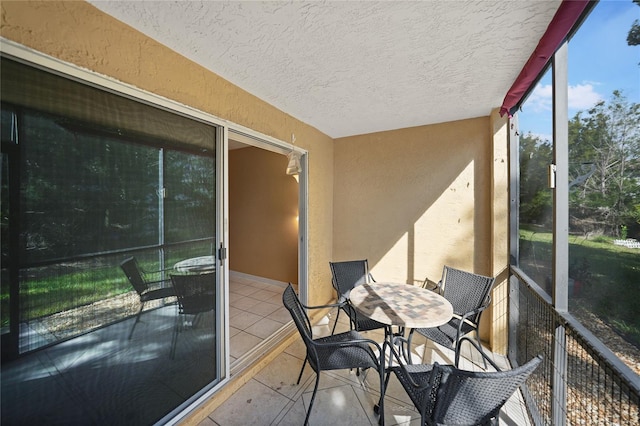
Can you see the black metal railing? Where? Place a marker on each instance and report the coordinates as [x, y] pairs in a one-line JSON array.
[[581, 382]]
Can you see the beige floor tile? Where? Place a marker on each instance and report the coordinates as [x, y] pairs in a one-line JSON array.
[[241, 343], [207, 422], [264, 328], [244, 320], [281, 315], [252, 404], [336, 405], [234, 311], [275, 299], [282, 374], [263, 294], [245, 303], [238, 291], [265, 309], [297, 349], [294, 415]]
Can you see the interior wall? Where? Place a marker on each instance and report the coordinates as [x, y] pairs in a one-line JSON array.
[[416, 199], [80, 34], [263, 215]]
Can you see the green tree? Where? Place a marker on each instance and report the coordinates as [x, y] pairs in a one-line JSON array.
[[607, 137], [633, 38], [535, 196]]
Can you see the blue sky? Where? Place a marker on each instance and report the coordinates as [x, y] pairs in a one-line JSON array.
[[600, 61]]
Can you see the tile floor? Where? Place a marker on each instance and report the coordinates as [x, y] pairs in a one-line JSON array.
[[104, 378], [255, 312], [79, 372], [273, 398]]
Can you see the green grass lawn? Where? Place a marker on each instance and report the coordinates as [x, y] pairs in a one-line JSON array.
[[609, 275], [61, 287]]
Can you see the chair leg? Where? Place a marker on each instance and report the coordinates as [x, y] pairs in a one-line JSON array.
[[133, 327], [405, 352], [315, 390], [301, 370], [379, 407], [458, 350], [481, 350], [174, 340], [335, 323], [408, 357], [383, 388]]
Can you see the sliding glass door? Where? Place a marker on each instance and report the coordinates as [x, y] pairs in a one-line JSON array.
[[94, 184]]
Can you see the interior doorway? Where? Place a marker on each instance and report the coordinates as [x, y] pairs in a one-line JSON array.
[[264, 242]]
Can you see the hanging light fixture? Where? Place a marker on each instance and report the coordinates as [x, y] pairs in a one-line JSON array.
[[293, 167]]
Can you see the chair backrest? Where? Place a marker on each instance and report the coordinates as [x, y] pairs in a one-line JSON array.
[[300, 318], [465, 291], [134, 274], [347, 275], [195, 292], [468, 397]]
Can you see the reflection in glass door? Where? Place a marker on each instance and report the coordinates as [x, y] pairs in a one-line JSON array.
[[8, 239], [105, 183]]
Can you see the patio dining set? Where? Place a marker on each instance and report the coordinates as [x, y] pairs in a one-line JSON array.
[[447, 314], [191, 285]]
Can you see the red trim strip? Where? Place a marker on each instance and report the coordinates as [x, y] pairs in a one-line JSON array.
[[563, 21]]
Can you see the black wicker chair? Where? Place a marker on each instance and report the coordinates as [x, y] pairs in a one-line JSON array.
[[196, 295], [469, 295], [340, 351], [345, 276], [444, 394], [147, 290]]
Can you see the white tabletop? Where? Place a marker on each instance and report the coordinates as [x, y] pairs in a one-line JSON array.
[[401, 305], [196, 264]]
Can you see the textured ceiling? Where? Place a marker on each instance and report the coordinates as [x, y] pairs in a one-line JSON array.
[[351, 68]]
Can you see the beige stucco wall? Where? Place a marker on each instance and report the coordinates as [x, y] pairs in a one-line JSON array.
[[80, 34], [415, 199], [497, 316], [263, 215]]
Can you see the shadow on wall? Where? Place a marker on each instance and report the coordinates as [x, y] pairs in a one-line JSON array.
[[415, 199]]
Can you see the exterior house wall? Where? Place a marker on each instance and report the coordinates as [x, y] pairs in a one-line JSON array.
[[404, 202], [415, 199], [78, 33]]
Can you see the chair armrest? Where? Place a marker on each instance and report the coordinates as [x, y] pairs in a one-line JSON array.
[[330, 305], [347, 343], [166, 280], [155, 272], [477, 311], [486, 302], [465, 318], [427, 284]]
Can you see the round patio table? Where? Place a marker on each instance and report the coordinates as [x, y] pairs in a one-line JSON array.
[[401, 305], [196, 265]]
